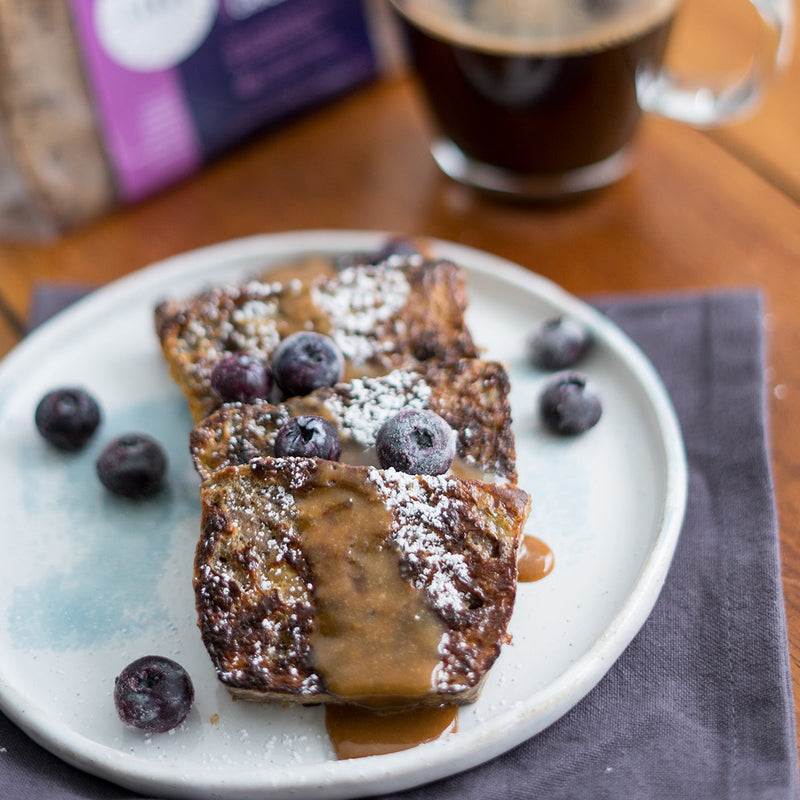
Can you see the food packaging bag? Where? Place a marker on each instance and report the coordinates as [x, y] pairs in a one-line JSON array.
[[106, 102]]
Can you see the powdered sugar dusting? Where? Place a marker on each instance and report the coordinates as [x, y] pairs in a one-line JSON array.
[[269, 503], [358, 302], [253, 600], [360, 408], [253, 328], [423, 511], [295, 470], [229, 319]]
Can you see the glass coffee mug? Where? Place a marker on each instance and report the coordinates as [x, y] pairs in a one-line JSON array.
[[541, 98]]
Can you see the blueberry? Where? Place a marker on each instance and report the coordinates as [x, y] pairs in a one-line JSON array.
[[419, 442], [308, 436], [394, 246], [306, 360], [154, 694], [67, 418], [602, 7], [240, 377], [132, 465], [570, 404], [559, 343]]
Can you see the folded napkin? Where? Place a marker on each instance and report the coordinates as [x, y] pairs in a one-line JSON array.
[[700, 704]]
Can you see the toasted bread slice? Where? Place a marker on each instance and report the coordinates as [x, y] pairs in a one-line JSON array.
[[383, 317], [320, 582], [470, 394]]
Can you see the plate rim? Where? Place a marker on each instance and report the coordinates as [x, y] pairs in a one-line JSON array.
[[401, 770]]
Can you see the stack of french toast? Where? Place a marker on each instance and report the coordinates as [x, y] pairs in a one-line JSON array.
[[343, 581]]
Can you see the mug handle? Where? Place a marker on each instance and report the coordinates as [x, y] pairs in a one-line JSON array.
[[685, 100]]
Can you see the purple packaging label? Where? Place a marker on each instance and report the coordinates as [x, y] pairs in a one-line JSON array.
[[252, 72], [176, 83]]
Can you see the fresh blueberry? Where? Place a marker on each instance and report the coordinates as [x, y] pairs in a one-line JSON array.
[[394, 246], [240, 377], [570, 404], [306, 360], [418, 442], [154, 694], [132, 466], [67, 418], [601, 7], [308, 436], [559, 343]]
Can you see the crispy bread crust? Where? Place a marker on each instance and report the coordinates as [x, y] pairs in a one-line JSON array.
[[255, 590], [384, 317], [470, 394]]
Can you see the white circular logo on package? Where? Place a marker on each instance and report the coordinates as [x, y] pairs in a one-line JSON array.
[[150, 35]]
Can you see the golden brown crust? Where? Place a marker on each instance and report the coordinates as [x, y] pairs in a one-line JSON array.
[[383, 317], [456, 542], [470, 394]]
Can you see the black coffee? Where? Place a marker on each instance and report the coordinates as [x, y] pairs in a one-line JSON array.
[[538, 107]]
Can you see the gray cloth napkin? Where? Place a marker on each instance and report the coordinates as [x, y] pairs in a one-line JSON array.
[[700, 704]]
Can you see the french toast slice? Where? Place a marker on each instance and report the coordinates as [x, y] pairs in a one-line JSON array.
[[470, 394], [384, 316], [322, 582]]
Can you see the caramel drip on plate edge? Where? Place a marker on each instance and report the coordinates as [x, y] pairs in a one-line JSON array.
[[362, 599], [356, 732], [535, 560]]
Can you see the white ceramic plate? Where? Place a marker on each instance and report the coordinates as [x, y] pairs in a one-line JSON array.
[[89, 582]]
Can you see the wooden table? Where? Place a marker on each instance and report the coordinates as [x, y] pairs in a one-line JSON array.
[[700, 210]]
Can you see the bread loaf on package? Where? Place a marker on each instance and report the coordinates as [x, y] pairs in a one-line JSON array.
[[52, 163]]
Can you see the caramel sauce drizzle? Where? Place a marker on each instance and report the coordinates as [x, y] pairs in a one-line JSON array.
[[298, 312], [305, 269], [535, 560], [376, 641], [356, 732]]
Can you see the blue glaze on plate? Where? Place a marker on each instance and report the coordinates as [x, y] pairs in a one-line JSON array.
[[111, 585]]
